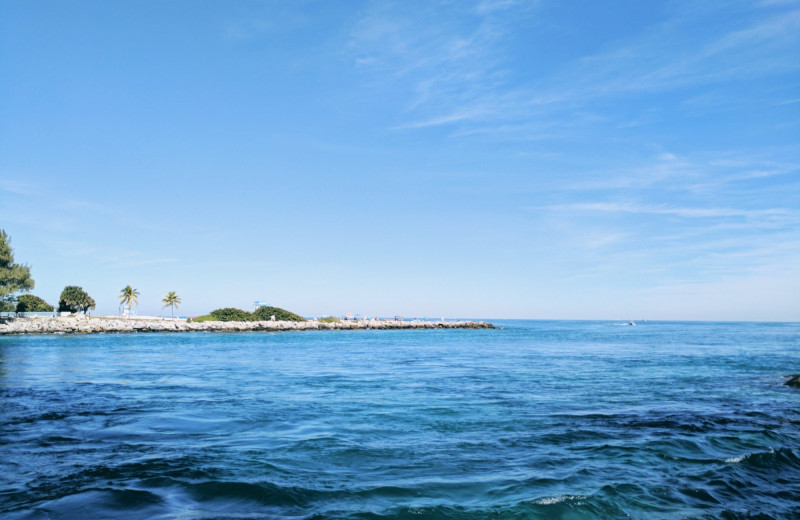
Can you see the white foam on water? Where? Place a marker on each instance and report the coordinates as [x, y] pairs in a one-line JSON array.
[[734, 460], [547, 501]]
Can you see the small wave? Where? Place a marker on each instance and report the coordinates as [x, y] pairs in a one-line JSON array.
[[773, 459], [265, 493], [94, 503], [734, 460], [767, 459], [548, 501]]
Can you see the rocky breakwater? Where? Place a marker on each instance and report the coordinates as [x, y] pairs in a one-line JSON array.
[[80, 324]]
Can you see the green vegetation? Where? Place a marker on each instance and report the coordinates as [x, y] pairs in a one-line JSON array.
[[31, 303], [200, 319], [13, 277], [171, 300], [232, 314], [266, 313], [329, 319], [227, 314], [75, 299], [128, 296], [261, 314]]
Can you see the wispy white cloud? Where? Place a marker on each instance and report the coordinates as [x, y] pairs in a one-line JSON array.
[[447, 57], [443, 120], [684, 212], [701, 172], [659, 256], [15, 186], [751, 297], [103, 254], [458, 69], [644, 65], [724, 223], [601, 240], [69, 225]]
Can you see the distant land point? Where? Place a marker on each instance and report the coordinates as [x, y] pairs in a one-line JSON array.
[[84, 324]]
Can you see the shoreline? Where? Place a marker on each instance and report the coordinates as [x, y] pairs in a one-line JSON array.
[[82, 324]]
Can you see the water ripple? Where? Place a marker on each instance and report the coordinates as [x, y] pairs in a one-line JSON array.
[[565, 420]]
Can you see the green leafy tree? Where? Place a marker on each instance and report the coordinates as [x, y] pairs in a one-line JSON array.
[[261, 314], [232, 314], [31, 303], [171, 300], [129, 296], [13, 277], [75, 299], [266, 313]]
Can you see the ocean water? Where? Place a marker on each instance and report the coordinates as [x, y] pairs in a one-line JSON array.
[[539, 419]]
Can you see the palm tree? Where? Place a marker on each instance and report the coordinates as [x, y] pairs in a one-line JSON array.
[[128, 296], [171, 300]]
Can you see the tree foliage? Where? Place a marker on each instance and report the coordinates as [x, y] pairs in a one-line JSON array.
[[75, 299], [171, 300], [265, 314], [13, 277], [31, 303], [129, 296], [261, 314], [232, 314]]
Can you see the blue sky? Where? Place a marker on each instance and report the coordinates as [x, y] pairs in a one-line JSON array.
[[496, 158]]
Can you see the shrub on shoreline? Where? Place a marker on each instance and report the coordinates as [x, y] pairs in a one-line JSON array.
[[31, 303], [261, 314], [232, 314], [266, 313]]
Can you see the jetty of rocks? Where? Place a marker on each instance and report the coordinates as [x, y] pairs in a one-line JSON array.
[[82, 324]]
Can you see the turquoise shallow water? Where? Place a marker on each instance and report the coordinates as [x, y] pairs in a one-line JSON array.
[[540, 419]]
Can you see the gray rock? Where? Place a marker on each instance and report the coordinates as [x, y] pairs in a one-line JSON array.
[[793, 381]]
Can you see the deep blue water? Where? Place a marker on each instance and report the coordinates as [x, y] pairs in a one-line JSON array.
[[542, 419]]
